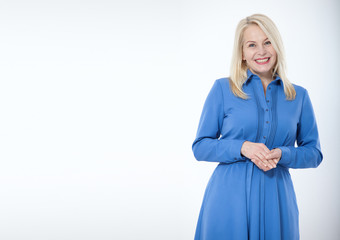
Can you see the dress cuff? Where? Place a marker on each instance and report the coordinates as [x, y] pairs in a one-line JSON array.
[[237, 149], [285, 155]]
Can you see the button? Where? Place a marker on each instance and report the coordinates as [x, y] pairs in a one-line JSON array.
[[264, 136], [235, 158], [267, 109], [267, 121], [269, 87], [267, 100]]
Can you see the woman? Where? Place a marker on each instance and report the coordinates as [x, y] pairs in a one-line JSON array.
[[249, 125]]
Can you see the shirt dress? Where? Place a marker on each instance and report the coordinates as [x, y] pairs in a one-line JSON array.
[[241, 201]]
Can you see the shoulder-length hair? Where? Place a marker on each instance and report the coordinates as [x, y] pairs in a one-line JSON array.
[[238, 68]]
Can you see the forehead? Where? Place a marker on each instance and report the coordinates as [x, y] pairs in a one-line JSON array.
[[253, 32]]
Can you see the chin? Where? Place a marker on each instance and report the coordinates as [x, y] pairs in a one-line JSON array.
[[263, 70]]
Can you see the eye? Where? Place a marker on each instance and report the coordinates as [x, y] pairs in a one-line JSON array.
[[267, 43], [251, 45]]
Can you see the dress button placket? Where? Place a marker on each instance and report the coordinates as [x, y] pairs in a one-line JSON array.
[[267, 115]]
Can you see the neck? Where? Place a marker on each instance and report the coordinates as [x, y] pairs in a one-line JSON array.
[[266, 78]]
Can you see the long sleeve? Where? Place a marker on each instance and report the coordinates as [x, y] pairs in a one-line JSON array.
[[208, 146], [308, 153]]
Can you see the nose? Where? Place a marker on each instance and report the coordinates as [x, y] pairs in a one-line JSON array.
[[262, 50]]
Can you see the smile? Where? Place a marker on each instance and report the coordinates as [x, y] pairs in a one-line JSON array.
[[263, 60]]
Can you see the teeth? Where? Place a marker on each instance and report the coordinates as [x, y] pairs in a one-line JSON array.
[[262, 60]]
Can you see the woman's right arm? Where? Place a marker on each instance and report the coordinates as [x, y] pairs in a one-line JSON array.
[[207, 146]]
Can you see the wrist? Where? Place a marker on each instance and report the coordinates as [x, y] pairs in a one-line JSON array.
[[243, 148]]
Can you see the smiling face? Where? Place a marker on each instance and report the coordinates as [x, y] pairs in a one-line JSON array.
[[258, 51]]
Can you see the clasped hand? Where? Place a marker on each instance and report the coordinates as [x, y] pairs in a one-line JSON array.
[[259, 154]]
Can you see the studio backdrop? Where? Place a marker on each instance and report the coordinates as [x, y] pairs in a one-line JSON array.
[[100, 103]]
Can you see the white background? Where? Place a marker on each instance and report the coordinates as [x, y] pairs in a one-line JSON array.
[[100, 103]]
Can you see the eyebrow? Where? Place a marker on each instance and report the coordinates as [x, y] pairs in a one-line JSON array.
[[254, 41]]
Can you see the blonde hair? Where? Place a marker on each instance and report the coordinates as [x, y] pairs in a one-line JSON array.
[[238, 68]]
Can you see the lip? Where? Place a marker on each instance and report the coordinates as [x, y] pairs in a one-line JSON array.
[[261, 58], [259, 63]]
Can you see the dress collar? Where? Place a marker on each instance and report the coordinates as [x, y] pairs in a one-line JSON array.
[[251, 75]]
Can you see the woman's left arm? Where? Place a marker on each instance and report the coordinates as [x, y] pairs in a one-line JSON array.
[[308, 153]]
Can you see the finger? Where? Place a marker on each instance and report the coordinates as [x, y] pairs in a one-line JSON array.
[[276, 160], [265, 162], [264, 165], [261, 156], [271, 155], [265, 149], [267, 168], [272, 163], [259, 163]]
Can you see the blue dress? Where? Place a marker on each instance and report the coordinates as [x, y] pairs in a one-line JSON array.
[[241, 201]]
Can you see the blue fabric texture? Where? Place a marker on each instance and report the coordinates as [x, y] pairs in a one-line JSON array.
[[241, 201]]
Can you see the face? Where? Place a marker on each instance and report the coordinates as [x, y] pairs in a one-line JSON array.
[[258, 51]]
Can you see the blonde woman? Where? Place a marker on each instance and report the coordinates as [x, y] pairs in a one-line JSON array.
[[249, 124]]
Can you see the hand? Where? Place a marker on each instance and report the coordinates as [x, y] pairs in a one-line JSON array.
[[274, 155], [259, 154]]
